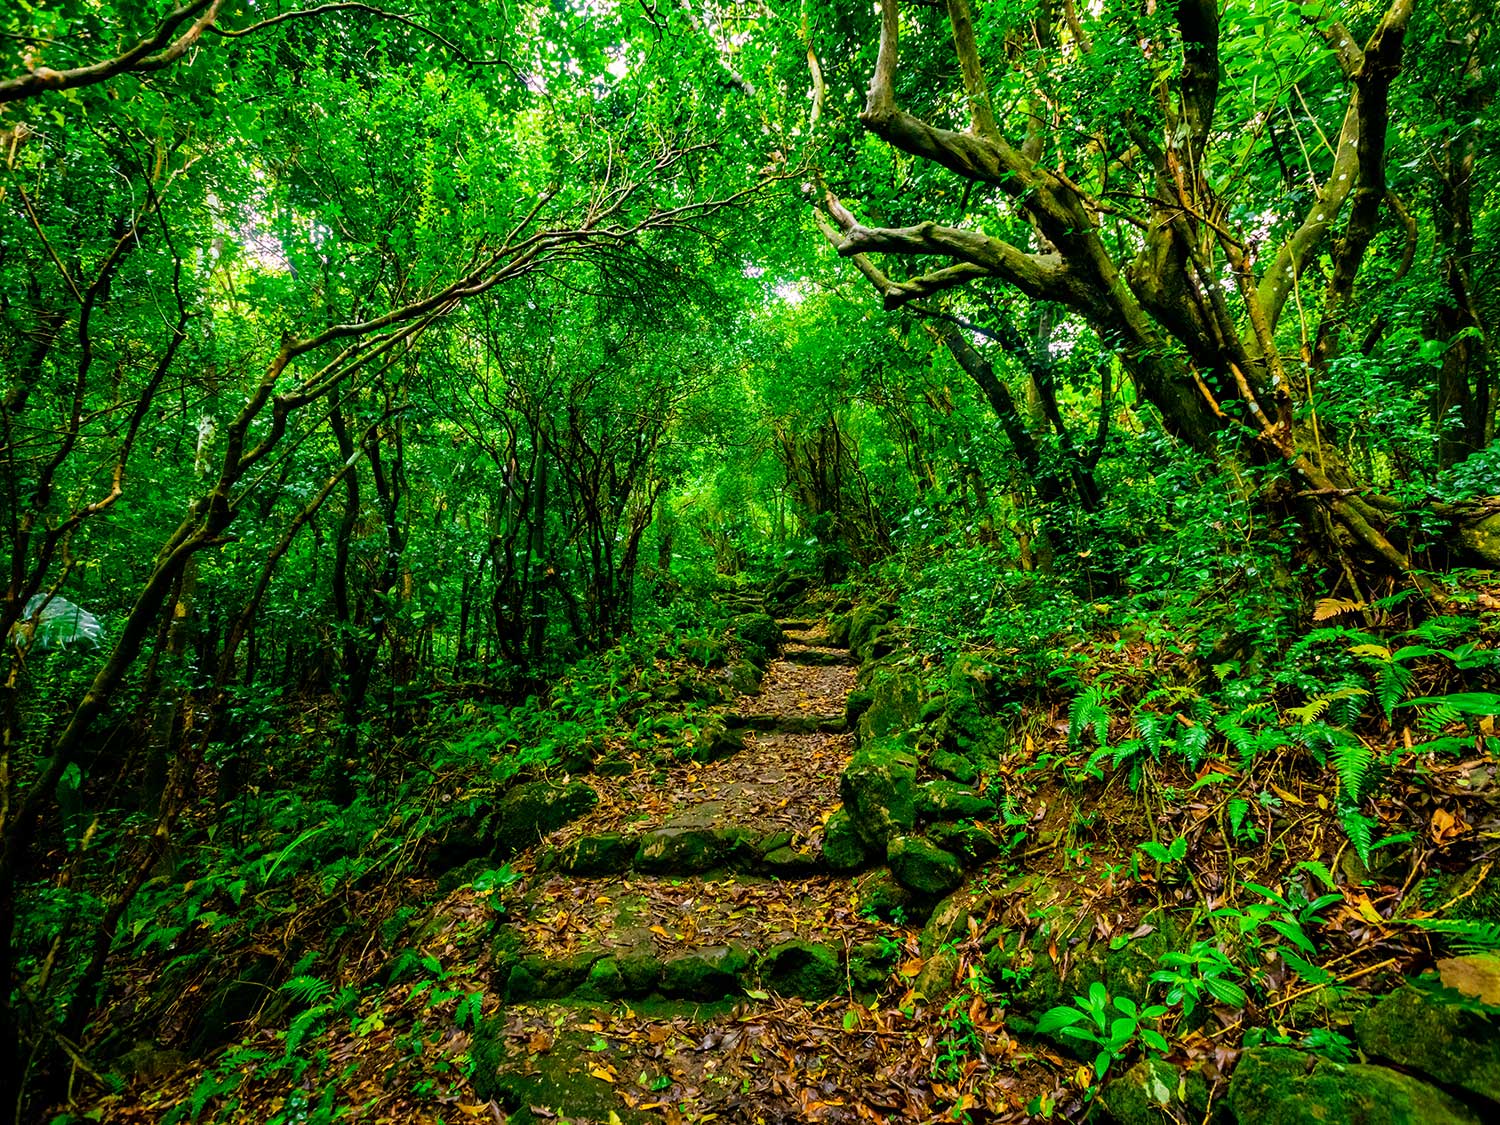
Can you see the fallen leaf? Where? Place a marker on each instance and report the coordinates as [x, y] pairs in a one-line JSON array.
[[1477, 975]]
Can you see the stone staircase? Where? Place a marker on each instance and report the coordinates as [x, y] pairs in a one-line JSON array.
[[715, 895]]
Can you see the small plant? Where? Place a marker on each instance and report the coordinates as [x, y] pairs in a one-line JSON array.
[[1168, 856], [1112, 1025], [1201, 971]]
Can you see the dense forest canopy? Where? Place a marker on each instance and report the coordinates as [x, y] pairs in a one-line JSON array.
[[393, 400]]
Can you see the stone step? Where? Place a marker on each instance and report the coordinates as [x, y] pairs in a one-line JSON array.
[[798, 624], [691, 848], [788, 724], [696, 939], [817, 655]]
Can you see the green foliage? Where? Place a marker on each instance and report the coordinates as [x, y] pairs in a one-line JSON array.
[[1114, 1026]]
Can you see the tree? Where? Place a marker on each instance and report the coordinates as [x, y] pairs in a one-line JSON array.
[[1137, 160]]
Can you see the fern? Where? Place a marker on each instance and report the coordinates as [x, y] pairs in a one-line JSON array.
[[1467, 936], [1360, 829], [1153, 728], [1352, 760], [1088, 713], [1393, 682], [303, 1025], [307, 989]]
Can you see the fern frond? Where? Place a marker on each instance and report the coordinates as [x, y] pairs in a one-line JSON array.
[[1352, 760]]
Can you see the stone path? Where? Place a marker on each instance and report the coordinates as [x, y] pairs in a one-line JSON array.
[[650, 939]]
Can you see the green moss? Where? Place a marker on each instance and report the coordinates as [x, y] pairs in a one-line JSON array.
[[606, 854], [705, 974], [1446, 1037], [1154, 1091], [895, 703], [690, 851], [1282, 1086], [972, 843], [800, 968], [532, 810], [877, 788], [922, 867], [882, 896], [547, 1086], [956, 766], [947, 800], [843, 850]]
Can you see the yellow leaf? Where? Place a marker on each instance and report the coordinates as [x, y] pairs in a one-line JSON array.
[[1332, 607], [603, 1073]]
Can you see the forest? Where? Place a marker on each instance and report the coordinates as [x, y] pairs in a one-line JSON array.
[[632, 561]]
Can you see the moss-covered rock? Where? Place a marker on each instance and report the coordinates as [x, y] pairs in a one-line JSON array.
[[865, 620], [546, 1086], [956, 766], [745, 677], [640, 970], [965, 728], [706, 652], [882, 896], [871, 964], [802, 968], [612, 765], [922, 867], [895, 703], [607, 854], [878, 790], [843, 850], [951, 918], [758, 636], [1154, 1091], [531, 810], [948, 800], [716, 741], [1450, 1038], [838, 630], [789, 863], [972, 843], [1283, 1086], [535, 977], [705, 974], [691, 851]]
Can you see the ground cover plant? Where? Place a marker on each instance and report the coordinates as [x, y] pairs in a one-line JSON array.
[[722, 561]]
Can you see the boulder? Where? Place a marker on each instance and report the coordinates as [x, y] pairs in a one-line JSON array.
[[716, 741], [922, 867], [606, 854], [864, 621], [1154, 1091], [531, 810], [689, 850], [706, 652], [1439, 1033], [878, 791], [950, 921], [882, 896], [871, 964], [947, 800], [558, 1083], [789, 862], [972, 843], [843, 850], [802, 968], [705, 974], [745, 677], [955, 766], [758, 636], [895, 703], [540, 978], [1284, 1086]]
